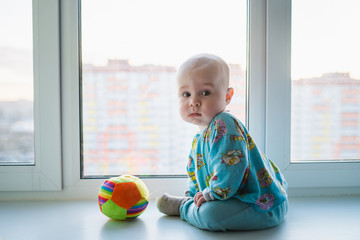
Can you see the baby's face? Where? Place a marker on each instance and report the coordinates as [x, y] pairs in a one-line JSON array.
[[201, 97]]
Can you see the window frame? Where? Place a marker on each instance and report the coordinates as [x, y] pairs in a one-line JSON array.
[[278, 112], [268, 99], [71, 113], [45, 174]]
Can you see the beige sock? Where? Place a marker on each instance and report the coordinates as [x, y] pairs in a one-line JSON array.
[[170, 205]]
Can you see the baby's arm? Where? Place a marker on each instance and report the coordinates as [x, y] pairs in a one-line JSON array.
[[229, 159], [192, 183], [191, 192]]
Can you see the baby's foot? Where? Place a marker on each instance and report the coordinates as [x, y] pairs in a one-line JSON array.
[[170, 205]]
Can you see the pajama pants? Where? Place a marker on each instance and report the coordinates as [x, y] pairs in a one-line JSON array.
[[230, 214]]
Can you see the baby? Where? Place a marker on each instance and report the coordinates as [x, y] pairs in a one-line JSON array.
[[231, 184]]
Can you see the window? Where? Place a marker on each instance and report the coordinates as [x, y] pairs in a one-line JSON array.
[[130, 119], [16, 84], [30, 62], [325, 81], [331, 177], [268, 112]]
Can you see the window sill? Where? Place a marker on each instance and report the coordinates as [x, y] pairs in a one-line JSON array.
[[308, 218]]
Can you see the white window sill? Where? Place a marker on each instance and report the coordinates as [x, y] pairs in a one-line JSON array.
[[308, 218]]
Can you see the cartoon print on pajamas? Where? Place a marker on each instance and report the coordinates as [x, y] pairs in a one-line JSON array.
[[264, 178], [276, 169], [265, 201], [223, 147], [190, 161], [232, 157], [191, 175], [200, 161], [194, 143], [208, 178], [250, 142], [237, 138], [246, 174], [207, 134], [220, 127], [222, 192], [214, 178], [239, 129]]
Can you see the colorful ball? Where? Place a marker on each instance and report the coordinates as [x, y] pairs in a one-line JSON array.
[[123, 198]]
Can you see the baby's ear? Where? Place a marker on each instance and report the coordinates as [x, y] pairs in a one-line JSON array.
[[229, 95]]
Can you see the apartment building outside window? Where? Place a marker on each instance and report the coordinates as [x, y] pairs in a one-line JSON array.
[[130, 119]]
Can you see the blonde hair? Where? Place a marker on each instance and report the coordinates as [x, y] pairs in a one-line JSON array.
[[209, 63]]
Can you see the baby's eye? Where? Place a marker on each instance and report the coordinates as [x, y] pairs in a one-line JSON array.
[[186, 94], [205, 93]]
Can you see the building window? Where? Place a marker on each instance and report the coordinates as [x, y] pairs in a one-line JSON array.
[[325, 81], [130, 121], [16, 84]]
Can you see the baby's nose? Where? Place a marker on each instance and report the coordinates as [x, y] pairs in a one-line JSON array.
[[194, 102]]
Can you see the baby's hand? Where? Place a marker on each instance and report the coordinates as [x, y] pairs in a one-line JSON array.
[[199, 199]]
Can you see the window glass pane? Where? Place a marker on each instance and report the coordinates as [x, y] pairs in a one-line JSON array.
[[130, 51], [16, 83], [325, 80]]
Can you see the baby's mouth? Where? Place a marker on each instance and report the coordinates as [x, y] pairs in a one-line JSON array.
[[194, 115]]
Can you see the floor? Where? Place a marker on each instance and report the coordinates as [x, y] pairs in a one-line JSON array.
[[308, 218]]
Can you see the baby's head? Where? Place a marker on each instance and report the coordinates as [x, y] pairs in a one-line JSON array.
[[203, 88], [209, 64]]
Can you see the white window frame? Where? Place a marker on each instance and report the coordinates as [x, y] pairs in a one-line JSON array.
[[268, 114], [45, 174], [322, 175], [71, 70]]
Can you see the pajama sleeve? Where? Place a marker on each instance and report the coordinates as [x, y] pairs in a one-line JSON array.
[[191, 189], [192, 184], [228, 156]]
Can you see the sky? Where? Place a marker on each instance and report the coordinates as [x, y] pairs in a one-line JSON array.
[[325, 36], [161, 31], [16, 63]]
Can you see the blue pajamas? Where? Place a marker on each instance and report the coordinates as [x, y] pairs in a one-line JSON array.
[[230, 214], [234, 177]]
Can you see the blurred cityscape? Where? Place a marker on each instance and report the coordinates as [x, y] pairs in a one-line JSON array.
[[130, 120], [17, 132], [325, 118]]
